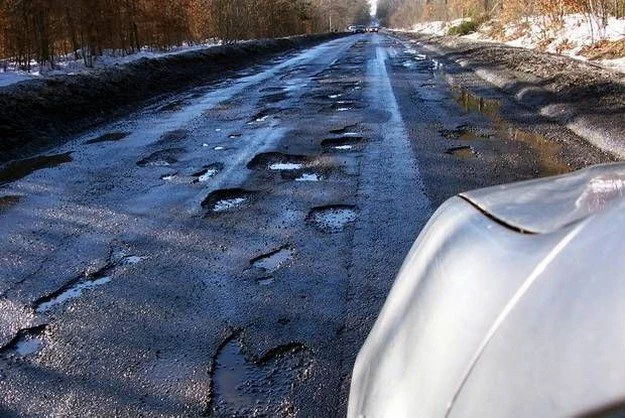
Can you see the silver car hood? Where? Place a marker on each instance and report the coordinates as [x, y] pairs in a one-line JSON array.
[[546, 205], [484, 320]]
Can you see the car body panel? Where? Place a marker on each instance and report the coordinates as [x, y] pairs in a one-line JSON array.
[[478, 307]]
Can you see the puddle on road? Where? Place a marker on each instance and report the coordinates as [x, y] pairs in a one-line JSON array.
[[264, 115], [277, 161], [161, 158], [18, 169], [109, 137], [334, 218], [256, 388], [274, 98], [271, 262], [7, 202], [463, 152], [27, 342], [234, 135], [462, 133], [224, 200], [471, 102], [208, 172], [547, 152], [69, 292]]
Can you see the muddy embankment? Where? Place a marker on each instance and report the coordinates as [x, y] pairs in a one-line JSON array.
[[587, 99], [38, 114]]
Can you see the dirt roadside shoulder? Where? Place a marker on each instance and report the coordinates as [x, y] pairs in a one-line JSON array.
[[587, 99], [39, 114]]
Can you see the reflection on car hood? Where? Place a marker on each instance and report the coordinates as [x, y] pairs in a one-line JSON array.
[[546, 205]]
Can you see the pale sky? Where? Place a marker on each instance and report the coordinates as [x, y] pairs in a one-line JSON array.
[[374, 6]]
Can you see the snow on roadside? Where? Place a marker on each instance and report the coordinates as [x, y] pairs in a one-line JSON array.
[[69, 65], [535, 33]]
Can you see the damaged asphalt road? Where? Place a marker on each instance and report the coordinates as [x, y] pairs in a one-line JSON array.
[[226, 252]]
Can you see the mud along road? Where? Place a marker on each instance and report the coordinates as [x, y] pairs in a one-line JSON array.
[[226, 251]]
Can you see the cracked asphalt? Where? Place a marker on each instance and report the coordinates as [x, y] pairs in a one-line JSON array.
[[226, 251]]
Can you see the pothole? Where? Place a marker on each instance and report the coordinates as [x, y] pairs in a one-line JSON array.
[[19, 169], [234, 135], [462, 152], [349, 129], [271, 262], [344, 143], [274, 98], [208, 172], [333, 218], [264, 115], [73, 290], [313, 177], [174, 106], [259, 387], [27, 342], [224, 200], [173, 136], [271, 89], [109, 137], [7, 202], [278, 161], [161, 158]]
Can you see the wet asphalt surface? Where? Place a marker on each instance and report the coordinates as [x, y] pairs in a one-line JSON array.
[[226, 252]]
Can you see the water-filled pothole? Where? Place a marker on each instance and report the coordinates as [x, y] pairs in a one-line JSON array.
[[333, 218], [278, 161], [68, 292], [234, 135], [224, 200], [208, 172], [274, 98], [7, 202], [161, 158], [313, 177], [27, 341], [273, 261], [19, 169], [259, 387], [463, 152], [344, 143], [109, 137], [264, 115]]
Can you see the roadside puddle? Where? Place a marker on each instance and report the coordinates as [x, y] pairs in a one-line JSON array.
[[69, 292], [18, 169], [333, 218], [241, 387], [547, 152], [224, 200], [345, 130], [464, 152], [109, 137], [462, 133]]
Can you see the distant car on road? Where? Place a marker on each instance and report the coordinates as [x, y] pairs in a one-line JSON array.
[[372, 29], [510, 303], [361, 29]]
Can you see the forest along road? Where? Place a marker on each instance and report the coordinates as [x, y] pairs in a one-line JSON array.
[[227, 251]]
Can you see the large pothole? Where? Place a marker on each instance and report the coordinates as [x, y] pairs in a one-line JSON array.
[[109, 137], [224, 200], [161, 158], [332, 218], [343, 143], [19, 169], [278, 161], [256, 387]]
